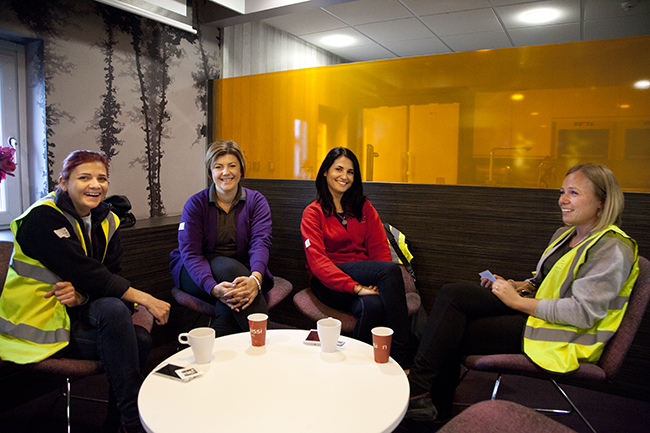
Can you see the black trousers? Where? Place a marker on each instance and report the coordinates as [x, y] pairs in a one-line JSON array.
[[466, 319], [386, 309]]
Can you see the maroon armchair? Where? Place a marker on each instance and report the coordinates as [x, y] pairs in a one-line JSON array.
[[604, 370], [281, 289], [503, 417], [312, 307], [63, 367]]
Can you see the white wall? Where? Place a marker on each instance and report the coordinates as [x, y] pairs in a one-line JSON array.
[[257, 48]]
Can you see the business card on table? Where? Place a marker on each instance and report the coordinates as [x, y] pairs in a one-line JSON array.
[[488, 275], [188, 373]]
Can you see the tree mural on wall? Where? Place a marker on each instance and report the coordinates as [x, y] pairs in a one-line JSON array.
[[134, 50], [156, 48], [106, 117]]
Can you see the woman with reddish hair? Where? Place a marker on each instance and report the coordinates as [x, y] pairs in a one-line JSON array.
[[63, 296]]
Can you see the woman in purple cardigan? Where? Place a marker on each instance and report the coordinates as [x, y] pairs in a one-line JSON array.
[[224, 239]]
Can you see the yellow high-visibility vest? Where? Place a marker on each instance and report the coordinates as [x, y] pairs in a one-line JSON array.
[[33, 328], [560, 348]]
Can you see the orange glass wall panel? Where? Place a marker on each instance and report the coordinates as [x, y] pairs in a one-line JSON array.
[[508, 117]]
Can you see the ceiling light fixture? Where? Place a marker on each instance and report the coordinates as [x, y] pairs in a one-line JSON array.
[[338, 40], [539, 16], [642, 84]]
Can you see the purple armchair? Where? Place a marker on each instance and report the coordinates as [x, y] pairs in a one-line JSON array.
[[281, 289]]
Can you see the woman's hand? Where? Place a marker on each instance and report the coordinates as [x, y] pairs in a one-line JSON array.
[[239, 294], [362, 290], [487, 283], [506, 291], [219, 291], [159, 309], [66, 294]]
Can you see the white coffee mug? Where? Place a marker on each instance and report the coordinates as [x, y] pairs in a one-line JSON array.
[[202, 342], [329, 331]]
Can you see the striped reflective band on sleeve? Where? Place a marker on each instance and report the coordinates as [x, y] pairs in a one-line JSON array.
[[33, 334], [34, 272]]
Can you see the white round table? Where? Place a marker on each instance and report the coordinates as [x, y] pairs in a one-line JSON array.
[[285, 386]]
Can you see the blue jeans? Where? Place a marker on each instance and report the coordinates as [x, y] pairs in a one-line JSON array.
[[103, 330], [386, 309], [226, 321]]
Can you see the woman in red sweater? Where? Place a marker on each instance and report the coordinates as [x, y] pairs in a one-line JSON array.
[[348, 256]]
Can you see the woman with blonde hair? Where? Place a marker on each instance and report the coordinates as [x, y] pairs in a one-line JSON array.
[[224, 240], [563, 315]]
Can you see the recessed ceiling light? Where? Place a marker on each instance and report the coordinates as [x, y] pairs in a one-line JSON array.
[[539, 16], [338, 40], [642, 84]]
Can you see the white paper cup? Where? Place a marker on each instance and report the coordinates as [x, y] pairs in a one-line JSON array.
[[329, 331], [202, 342]]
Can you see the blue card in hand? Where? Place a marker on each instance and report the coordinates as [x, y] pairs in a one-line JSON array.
[[488, 275]]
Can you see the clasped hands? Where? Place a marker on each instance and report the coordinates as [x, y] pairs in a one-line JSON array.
[[238, 294]]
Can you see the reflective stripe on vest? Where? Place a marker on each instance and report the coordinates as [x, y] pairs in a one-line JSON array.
[[33, 328], [559, 348]]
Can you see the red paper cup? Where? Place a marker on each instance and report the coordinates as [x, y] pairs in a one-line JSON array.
[[381, 339], [257, 325]]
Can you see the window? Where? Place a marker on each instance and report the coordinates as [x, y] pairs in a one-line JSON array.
[[13, 190]]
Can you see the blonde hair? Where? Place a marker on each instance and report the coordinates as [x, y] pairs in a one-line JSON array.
[[220, 148], [607, 191]]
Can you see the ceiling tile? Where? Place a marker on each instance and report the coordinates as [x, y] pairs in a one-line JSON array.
[[397, 30], [602, 9], [559, 34], [455, 23], [419, 27], [429, 7], [569, 10], [315, 38], [363, 54], [418, 47], [477, 41], [302, 23], [635, 25], [369, 11]]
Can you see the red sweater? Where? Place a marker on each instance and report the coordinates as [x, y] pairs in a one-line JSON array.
[[327, 242]]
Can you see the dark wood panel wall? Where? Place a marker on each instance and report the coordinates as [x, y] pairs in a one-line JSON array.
[[455, 233]]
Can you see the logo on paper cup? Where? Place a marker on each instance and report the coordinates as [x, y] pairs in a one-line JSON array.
[[382, 347], [256, 331]]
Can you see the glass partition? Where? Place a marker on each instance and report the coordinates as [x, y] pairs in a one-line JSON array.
[[510, 117]]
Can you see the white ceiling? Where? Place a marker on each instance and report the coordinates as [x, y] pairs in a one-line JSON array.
[[386, 29]]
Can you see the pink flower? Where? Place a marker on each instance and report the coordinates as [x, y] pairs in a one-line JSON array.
[[7, 164]]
